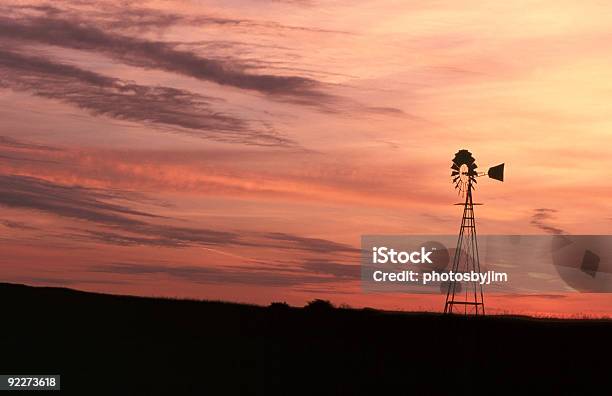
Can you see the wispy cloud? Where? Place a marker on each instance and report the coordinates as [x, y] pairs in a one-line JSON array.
[[174, 109], [68, 201], [124, 226], [63, 281], [310, 244], [132, 17], [218, 275], [94, 206], [241, 172], [83, 35], [546, 296], [342, 271], [9, 142], [17, 225], [542, 217]]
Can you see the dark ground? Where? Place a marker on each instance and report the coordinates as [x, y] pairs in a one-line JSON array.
[[115, 345]]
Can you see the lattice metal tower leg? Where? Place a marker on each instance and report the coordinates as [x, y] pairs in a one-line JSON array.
[[466, 260]]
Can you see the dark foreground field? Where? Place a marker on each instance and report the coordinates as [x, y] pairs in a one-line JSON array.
[[113, 345]]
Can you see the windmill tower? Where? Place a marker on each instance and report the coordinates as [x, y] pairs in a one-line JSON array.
[[466, 260]]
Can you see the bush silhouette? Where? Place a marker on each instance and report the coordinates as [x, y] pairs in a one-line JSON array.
[[279, 305], [319, 305]]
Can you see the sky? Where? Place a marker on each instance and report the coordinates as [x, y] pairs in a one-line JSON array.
[[237, 150]]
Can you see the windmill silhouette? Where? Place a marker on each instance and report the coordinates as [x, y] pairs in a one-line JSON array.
[[464, 174]]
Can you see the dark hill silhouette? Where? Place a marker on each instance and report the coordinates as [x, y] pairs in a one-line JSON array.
[[105, 344]]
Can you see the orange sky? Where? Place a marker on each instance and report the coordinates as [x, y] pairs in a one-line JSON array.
[[238, 150]]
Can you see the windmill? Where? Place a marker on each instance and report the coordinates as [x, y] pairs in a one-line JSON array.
[[464, 176]]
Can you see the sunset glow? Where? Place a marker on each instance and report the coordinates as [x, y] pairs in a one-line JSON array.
[[237, 150]]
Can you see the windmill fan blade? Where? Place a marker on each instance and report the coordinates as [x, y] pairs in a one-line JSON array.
[[455, 166], [464, 157], [454, 173], [456, 178]]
